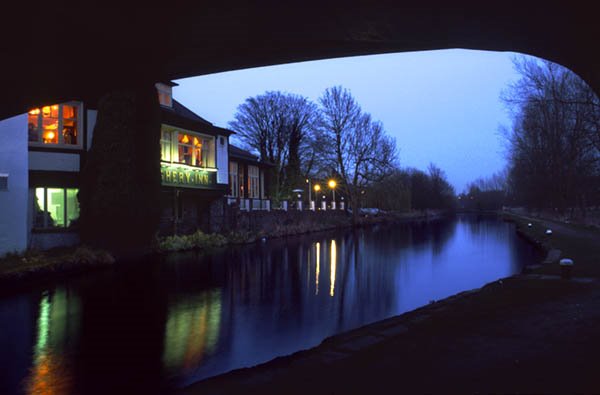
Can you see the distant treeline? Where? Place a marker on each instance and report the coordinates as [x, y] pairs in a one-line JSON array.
[[334, 139], [412, 189]]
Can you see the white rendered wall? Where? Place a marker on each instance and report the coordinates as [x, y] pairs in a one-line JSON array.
[[222, 160], [13, 202], [91, 123], [53, 161]]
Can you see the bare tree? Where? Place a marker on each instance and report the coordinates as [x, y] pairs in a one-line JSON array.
[[280, 127], [361, 151], [442, 193], [553, 152], [301, 119]]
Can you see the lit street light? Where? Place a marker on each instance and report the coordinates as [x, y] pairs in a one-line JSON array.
[[332, 185], [317, 188]]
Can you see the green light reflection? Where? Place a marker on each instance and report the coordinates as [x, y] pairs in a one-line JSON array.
[[192, 330]]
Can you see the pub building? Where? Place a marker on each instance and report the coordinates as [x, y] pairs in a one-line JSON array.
[[58, 137], [43, 151], [248, 180], [194, 158]]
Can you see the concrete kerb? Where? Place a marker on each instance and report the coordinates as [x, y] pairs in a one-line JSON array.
[[373, 334], [339, 346]]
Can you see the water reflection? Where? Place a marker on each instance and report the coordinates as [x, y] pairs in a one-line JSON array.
[[184, 317], [192, 331], [57, 325], [333, 265], [318, 266]]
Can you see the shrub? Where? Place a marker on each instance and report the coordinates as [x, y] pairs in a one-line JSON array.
[[86, 256], [175, 243], [196, 240], [241, 237]]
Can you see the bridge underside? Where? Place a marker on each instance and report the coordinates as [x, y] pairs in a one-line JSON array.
[[52, 53]]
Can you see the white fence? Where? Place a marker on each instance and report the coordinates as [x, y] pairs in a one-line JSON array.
[[250, 204], [265, 205]]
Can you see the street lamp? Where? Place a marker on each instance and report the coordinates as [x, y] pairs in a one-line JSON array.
[[332, 185], [317, 188], [309, 191]]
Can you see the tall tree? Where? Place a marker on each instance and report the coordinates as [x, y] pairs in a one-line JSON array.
[[361, 151], [552, 153], [392, 193], [120, 182], [442, 193], [301, 120], [280, 128]]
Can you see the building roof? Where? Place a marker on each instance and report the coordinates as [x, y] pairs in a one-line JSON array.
[[168, 83], [181, 116], [185, 112], [224, 130], [240, 154]]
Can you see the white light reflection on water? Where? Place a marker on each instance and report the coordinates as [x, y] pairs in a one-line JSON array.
[[333, 267]]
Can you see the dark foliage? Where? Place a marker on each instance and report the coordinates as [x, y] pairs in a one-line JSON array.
[[282, 129], [120, 182], [554, 155]]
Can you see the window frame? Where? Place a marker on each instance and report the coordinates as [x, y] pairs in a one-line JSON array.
[[174, 150], [233, 179], [253, 182], [46, 226], [164, 91], [60, 144]]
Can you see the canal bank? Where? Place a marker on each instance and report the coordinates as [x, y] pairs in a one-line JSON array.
[[527, 333], [36, 267]]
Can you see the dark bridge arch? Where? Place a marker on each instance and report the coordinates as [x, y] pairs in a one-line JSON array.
[[51, 53]]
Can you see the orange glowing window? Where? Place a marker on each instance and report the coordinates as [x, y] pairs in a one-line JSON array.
[[164, 99], [190, 149], [56, 124]]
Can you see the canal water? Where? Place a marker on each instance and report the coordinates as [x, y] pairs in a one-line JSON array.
[[154, 325]]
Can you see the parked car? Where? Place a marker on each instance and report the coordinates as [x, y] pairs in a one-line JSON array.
[[368, 211]]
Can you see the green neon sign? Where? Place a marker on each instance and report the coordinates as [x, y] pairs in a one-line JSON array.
[[188, 177]]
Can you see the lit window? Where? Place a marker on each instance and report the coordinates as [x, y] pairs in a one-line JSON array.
[[233, 179], [55, 207], [69, 126], [58, 124], [165, 94], [164, 99], [253, 179], [186, 147], [165, 145], [242, 181]]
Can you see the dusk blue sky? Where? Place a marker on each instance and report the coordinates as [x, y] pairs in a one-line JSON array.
[[441, 106]]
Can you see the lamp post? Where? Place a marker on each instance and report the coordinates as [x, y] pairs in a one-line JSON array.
[[332, 184], [317, 188], [309, 190]]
